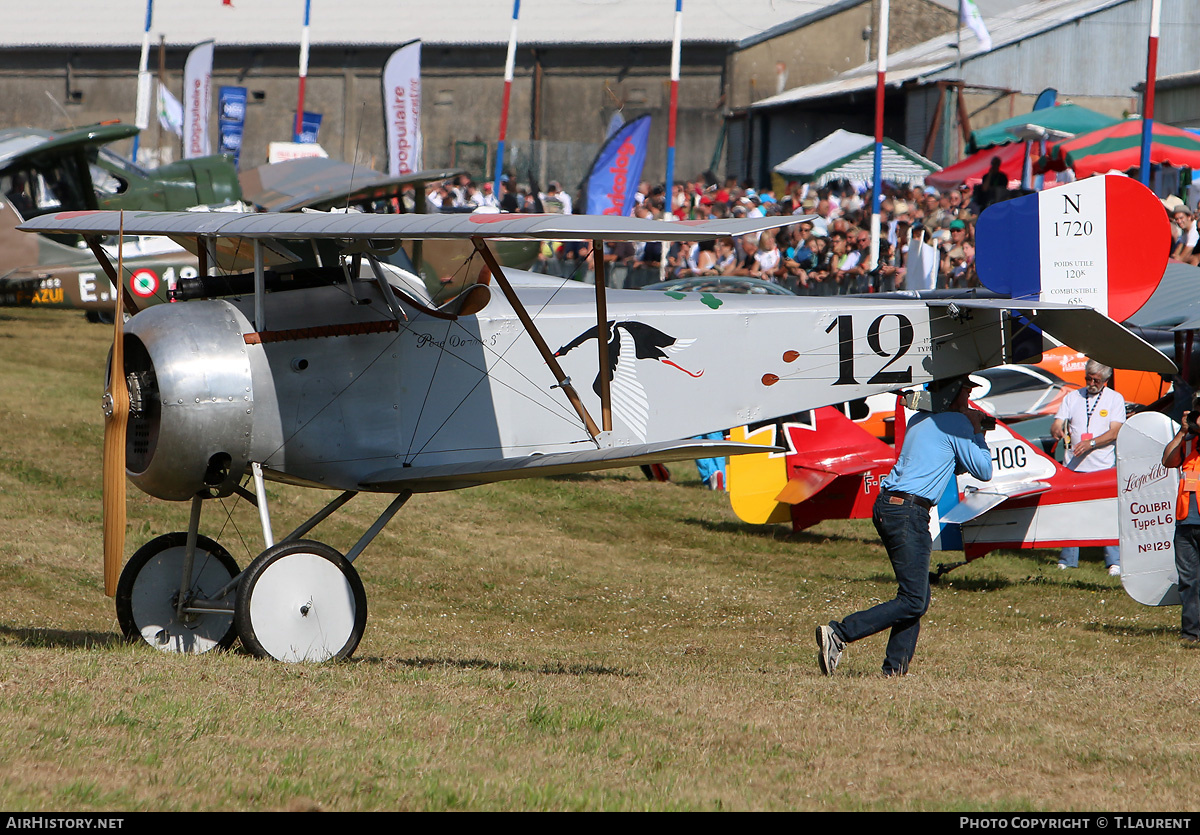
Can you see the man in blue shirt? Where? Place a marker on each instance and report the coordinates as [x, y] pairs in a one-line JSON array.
[[936, 445]]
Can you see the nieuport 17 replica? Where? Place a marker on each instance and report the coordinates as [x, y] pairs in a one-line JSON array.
[[300, 355]]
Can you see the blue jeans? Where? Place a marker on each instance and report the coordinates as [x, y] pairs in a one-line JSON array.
[[1187, 564], [904, 529], [1070, 556]]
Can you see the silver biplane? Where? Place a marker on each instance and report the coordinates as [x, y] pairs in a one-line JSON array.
[[299, 354]]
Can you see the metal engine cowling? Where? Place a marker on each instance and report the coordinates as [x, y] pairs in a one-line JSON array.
[[192, 398]]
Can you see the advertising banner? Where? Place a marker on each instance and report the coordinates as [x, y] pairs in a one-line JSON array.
[[615, 174], [1146, 494], [310, 126], [402, 109], [197, 101], [231, 120]]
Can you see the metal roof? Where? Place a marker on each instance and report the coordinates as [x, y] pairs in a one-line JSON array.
[[119, 23], [386, 22], [939, 54]]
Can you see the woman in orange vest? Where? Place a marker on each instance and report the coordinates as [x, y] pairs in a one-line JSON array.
[[1183, 452]]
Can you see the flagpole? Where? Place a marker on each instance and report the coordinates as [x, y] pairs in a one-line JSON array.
[[142, 117], [1148, 101], [676, 46], [303, 71], [877, 172], [509, 63]]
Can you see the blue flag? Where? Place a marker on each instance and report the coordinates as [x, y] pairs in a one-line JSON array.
[[310, 127], [232, 109], [617, 170]]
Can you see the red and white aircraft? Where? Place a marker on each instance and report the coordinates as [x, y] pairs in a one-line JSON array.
[[832, 469]]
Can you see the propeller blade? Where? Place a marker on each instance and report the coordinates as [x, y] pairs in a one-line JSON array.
[[116, 417]]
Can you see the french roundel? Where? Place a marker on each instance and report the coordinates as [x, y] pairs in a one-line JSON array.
[[143, 283]]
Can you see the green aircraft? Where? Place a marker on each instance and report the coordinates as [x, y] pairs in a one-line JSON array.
[[43, 172], [55, 171]]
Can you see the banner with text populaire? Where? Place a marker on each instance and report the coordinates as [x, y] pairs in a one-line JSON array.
[[197, 101], [615, 174], [402, 109], [1146, 495]]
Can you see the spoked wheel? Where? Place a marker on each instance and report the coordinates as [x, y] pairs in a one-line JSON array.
[[148, 591], [301, 601]]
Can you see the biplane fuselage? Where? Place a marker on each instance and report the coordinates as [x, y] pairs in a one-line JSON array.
[[336, 391]]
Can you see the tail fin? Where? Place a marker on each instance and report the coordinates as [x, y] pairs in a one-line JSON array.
[[821, 445], [755, 480]]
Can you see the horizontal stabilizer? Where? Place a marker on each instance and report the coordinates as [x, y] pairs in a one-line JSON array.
[[472, 473], [979, 502], [1083, 328], [804, 484]]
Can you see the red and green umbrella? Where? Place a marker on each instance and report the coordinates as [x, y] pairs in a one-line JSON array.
[[1119, 148]]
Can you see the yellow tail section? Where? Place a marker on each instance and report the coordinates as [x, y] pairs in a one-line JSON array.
[[756, 480]]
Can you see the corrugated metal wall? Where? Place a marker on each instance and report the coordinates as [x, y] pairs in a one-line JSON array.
[[1179, 107], [1103, 54], [918, 116]]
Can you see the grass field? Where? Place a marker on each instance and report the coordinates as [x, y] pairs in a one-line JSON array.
[[596, 642]]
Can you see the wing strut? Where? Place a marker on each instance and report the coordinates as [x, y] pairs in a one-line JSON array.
[[602, 334], [113, 275], [564, 382]]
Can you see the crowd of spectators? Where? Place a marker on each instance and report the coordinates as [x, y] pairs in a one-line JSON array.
[[827, 255]]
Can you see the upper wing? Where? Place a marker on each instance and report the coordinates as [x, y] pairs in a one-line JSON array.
[[290, 226]]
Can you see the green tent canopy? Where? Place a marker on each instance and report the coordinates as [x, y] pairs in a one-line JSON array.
[[1067, 118]]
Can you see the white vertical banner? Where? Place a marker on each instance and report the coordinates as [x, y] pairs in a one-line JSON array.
[[197, 101], [402, 109], [1146, 495]]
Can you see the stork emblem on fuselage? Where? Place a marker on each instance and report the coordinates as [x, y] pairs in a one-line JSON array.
[[630, 341]]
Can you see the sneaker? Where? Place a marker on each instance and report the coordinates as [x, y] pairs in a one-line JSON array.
[[829, 649], [716, 481], [1062, 566], [1114, 571]]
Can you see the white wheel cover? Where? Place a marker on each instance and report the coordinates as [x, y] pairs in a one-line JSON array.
[[150, 603], [302, 608]]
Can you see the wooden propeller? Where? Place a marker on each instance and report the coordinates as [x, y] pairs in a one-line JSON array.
[[116, 418]]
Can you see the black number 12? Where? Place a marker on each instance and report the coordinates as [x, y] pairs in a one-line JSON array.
[[845, 329]]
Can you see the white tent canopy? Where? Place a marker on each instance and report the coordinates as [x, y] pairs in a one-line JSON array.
[[819, 154], [851, 156]]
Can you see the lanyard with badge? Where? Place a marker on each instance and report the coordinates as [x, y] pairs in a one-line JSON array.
[[1090, 407]]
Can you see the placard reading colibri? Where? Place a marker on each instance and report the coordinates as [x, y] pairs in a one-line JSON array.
[[1102, 242]]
